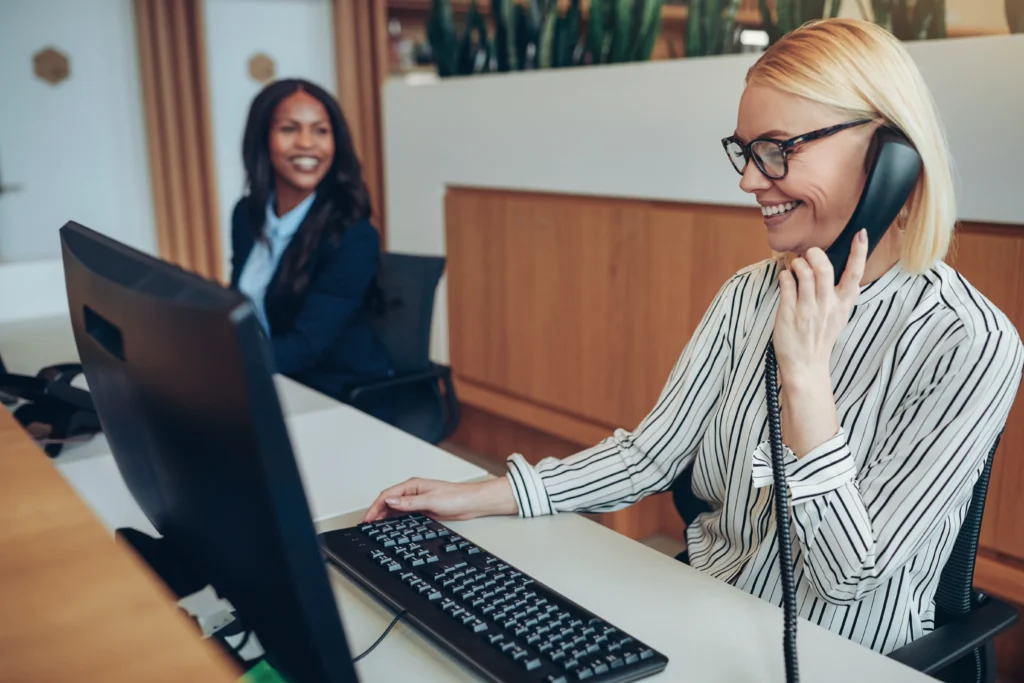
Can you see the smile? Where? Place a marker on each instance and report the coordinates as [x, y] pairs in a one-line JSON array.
[[779, 209], [305, 163]]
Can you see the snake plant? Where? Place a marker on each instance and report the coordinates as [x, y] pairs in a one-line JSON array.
[[710, 27], [623, 30], [912, 20], [533, 34], [792, 14]]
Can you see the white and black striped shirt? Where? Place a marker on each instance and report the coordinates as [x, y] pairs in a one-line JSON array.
[[923, 376]]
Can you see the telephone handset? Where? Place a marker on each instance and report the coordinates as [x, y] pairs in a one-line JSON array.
[[894, 169]]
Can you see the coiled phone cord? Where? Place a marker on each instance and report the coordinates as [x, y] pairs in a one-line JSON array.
[[771, 370]]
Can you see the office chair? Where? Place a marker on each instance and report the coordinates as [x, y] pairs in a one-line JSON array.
[[413, 396], [961, 648]]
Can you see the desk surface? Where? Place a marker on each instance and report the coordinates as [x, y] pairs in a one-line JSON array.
[[112, 622], [708, 629]]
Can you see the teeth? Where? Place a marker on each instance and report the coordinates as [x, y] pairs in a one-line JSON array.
[[306, 163], [778, 209]]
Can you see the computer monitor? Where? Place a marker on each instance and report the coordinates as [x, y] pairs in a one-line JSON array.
[[180, 376]]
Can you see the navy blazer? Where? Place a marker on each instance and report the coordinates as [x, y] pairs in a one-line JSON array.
[[322, 337]]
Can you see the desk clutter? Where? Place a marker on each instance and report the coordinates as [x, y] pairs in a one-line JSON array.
[[491, 615]]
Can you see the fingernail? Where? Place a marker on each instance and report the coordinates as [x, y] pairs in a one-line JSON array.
[[862, 235], [391, 501]]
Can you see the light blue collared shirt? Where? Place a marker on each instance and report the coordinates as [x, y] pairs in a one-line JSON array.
[[264, 258]]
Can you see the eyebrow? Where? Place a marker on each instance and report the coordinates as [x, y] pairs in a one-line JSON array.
[[774, 133]]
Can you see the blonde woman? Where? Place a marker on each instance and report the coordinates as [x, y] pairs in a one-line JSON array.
[[894, 384]]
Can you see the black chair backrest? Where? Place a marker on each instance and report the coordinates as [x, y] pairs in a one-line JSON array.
[[954, 596], [409, 283]]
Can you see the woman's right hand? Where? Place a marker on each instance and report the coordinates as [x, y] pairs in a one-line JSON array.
[[444, 500]]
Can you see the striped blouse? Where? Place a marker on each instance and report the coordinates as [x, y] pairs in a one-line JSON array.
[[923, 375]]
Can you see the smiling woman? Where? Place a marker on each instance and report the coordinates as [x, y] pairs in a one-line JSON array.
[[303, 249]]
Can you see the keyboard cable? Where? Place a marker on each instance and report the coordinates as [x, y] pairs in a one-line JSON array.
[[368, 650]]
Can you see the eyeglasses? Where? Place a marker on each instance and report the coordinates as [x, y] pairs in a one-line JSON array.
[[770, 155]]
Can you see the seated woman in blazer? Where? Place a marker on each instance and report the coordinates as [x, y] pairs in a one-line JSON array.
[[303, 249]]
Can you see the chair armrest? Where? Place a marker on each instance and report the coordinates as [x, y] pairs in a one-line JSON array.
[[943, 646], [433, 372]]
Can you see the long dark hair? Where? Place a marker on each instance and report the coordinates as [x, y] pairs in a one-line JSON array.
[[341, 197]]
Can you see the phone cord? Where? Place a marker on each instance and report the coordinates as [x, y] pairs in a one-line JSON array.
[[771, 370]]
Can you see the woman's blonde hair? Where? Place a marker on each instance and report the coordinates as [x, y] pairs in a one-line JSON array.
[[861, 69]]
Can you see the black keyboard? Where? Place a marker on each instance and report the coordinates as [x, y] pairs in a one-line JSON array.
[[492, 616]]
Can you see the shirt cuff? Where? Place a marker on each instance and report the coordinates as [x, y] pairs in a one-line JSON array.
[[528, 488], [825, 468]]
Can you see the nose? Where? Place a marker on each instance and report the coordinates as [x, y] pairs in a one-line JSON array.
[[753, 180], [305, 138]]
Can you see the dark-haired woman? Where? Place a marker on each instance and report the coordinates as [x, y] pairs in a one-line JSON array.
[[303, 249]]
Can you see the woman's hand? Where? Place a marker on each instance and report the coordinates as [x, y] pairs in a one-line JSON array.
[[444, 500], [807, 325], [813, 313]]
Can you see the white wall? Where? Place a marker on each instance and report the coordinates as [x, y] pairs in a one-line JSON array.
[[78, 148], [652, 131], [297, 34]]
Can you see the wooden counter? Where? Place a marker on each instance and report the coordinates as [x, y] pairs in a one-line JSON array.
[[567, 313], [74, 605]]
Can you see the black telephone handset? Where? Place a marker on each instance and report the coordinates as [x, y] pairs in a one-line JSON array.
[[893, 173], [894, 170]]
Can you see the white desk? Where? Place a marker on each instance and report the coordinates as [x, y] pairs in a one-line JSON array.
[[709, 630]]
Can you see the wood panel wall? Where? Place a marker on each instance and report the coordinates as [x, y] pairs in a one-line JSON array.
[[567, 313]]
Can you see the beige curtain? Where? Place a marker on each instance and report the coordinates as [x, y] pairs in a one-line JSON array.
[[172, 55], [361, 50]]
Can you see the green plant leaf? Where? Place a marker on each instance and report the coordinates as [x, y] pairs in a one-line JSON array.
[[597, 30], [567, 36], [621, 30], [504, 35], [649, 23], [546, 38], [442, 38], [770, 25]]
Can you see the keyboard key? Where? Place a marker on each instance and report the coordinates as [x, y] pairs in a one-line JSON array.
[[508, 646], [631, 657], [556, 678], [495, 638], [430, 535], [477, 626], [418, 562], [531, 663], [434, 595], [646, 653], [600, 668]]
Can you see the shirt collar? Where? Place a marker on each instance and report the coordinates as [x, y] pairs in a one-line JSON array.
[[283, 227], [889, 283]]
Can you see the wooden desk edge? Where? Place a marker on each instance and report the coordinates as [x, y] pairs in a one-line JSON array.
[[74, 604]]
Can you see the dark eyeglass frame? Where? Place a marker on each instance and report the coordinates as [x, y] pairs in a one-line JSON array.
[[785, 146]]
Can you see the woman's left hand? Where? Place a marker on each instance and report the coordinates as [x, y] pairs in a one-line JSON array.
[[811, 316]]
